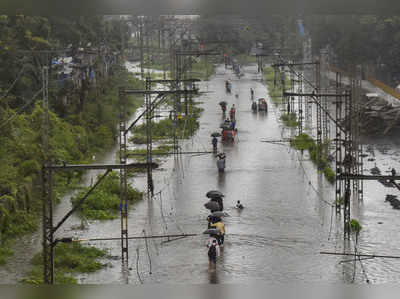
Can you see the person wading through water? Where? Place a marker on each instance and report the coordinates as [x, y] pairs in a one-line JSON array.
[[213, 252], [221, 229], [214, 142], [232, 113]]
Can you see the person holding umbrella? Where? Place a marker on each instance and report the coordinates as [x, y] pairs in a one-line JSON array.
[[213, 252], [221, 232], [214, 141]]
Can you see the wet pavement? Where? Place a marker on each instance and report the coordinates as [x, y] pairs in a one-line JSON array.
[[277, 237]]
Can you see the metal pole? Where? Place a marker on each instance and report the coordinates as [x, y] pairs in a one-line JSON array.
[[319, 114], [300, 105], [141, 48], [47, 189], [123, 180], [348, 162], [338, 152], [149, 140]]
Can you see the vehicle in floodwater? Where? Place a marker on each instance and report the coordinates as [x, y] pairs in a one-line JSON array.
[[262, 105]]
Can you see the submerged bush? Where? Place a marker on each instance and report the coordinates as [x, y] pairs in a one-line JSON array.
[[104, 202], [290, 119], [306, 142], [70, 259]]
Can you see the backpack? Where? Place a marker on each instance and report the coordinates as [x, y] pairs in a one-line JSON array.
[[212, 251]]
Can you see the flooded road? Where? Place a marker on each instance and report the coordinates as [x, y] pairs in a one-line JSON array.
[[277, 237], [287, 220]]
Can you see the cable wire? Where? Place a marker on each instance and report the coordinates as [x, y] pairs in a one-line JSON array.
[[147, 250], [137, 266]]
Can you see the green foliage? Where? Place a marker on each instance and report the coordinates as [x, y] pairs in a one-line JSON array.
[[5, 252], [104, 202], [140, 154], [305, 142], [164, 129], [355, 226], [86, 126], [70, 259], [290, 119], [340, 201], [329, 174], [275, 92]]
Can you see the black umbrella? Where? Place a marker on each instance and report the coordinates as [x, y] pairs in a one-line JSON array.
[[214, 193], [223, 103], [211, 231], [216, 134], [212, 205]]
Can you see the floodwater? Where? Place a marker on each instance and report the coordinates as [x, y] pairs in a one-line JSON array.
[[277, 237]]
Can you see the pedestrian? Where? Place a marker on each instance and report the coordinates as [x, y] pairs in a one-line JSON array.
[[221, 232], [213, 251], [223, 106], [393, 172], [220, 202], [232, 113], [239, 205], [214, 142], [252, 92]]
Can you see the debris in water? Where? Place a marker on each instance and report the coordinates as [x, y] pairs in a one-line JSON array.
[[375, 171], [393, 201]]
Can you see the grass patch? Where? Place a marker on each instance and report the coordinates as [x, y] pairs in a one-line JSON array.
[[275, 92], [306, 142], [70, 259], [164, 129], [104, 202], [140, 154], [290, 119], [355, 226]]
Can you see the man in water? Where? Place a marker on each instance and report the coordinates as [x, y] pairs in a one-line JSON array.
[[221, 162], [213, 251], [221, 229], [223, 106], [214, 142], [232, 113], [239, 205]]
